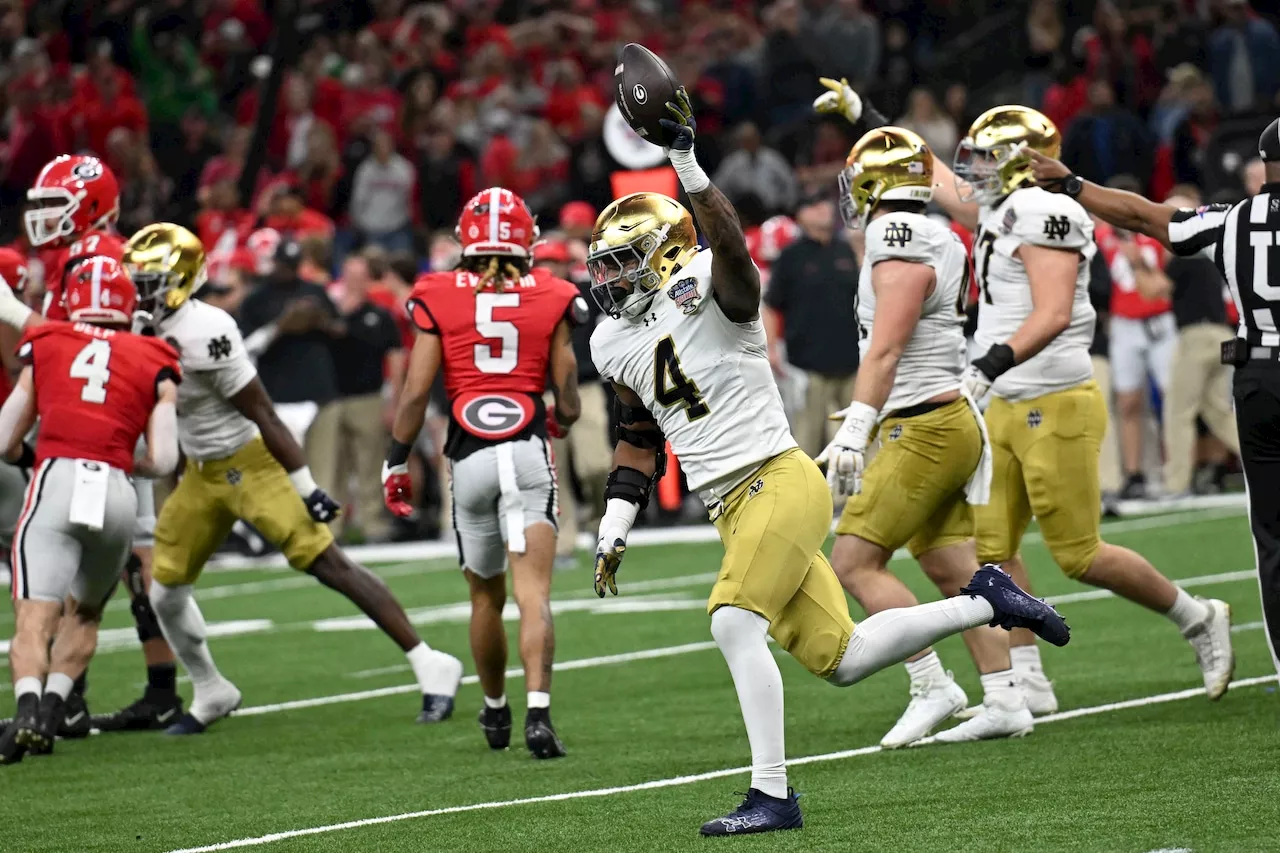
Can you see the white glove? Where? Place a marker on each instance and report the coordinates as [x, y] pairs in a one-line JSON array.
[[975, 383], [845, 456], [12, 310], [841, 100]]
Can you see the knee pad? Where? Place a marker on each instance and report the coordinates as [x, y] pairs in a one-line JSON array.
[[1075, 558], [144, 616]]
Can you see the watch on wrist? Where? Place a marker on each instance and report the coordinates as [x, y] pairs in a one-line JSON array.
[[1072, 185]]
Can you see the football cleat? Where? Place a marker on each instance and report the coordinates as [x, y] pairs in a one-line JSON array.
[[76, 721], [208, 706], [1039, 692], [1015, 608], [28, 727], [996, 719], [931, 702], [540, 736], [496, 725], [155, 710], [53, 714], [11, 752], [759, 812], [435, 708], [1211, 639]]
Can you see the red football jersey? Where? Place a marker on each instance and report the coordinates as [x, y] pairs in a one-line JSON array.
[[95, 389], [496, 345], [58, 261]]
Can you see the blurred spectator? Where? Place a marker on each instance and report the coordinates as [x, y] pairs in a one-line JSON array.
[[230, 163], [1122, 56], [349, 437], [790, 73], [1253, 175], [926, 118], [284, 321], [222, 223], [849, 40], [316, 260], [1067, 95], [577, 221], [392, 290], [33, 138], [1107, 140], [753, 168], [810, 304], [1203, 383], [383, 206], [542, 169], [956, 102], [1244, 53], [898, 72], [112, 108], [285, 210], [319, 172], [144, 190], [447, 176], [171, 76], [590, 163], [182, 157], [1191, 136], [733, 78], [1045, 33], [1100, 289]]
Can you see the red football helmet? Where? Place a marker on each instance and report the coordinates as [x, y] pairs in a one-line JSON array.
[[72, 195], [496, 222], [13, 269], [100, 292]]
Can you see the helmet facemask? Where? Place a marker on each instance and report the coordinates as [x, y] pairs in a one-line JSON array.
[[982, 173], [48, 216], [624, 281], [858, 196]]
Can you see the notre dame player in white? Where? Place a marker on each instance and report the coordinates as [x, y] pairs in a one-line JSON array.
[[684, 346], [1046, 418], [934, 459]]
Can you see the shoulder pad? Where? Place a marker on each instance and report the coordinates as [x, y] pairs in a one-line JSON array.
[[206, 339], [1041, 218], [901, 236]]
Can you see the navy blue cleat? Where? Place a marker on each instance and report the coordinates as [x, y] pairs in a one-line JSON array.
[[187, 725], [759, 812], [435, 708], [1015, 608]]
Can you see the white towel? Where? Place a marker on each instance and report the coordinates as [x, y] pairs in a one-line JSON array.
[[978, 490]]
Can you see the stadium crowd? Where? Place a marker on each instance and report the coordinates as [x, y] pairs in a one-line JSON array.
[[392, 113]]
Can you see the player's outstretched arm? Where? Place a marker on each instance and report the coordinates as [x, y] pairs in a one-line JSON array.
[[734, 276], [16, 419], [14, 312], [637, 464], [160, 456], [564, 376], [424, 363], [1121, 208]]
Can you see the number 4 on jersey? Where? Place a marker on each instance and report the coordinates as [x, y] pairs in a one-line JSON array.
[[670, 386], [92, 365]]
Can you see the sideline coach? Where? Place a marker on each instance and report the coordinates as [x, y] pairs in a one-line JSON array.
[[1243, 240]]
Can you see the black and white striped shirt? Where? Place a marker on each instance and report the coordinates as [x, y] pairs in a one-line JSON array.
[[1243, 240]]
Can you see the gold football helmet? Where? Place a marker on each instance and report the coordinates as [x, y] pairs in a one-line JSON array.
[[167, 265], [988, 159], [638, 243], [887, 164]]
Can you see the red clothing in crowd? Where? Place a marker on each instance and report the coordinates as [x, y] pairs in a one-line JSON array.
[[95, 120], [1126, 301], [215, 226], [385, 297], [87, 90], [257, 26], [33, 137], [380, 105], [306, 223], [1063, 102]]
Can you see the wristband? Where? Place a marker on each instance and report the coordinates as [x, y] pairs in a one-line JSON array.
[[303, 481], [859, 420], [692, 178], [398, 453], [998, 360]]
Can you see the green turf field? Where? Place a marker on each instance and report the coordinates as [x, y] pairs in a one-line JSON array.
[[1163, 772]]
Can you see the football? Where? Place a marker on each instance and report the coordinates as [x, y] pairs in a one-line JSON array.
[[642, 86]]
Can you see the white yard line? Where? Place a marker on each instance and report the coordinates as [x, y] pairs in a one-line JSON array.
[[675, 781]]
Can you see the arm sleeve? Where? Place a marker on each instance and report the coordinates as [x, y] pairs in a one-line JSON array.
[[1197, 232], [902, 237]]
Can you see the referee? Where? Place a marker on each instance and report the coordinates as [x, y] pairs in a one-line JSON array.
[[1243, 240]]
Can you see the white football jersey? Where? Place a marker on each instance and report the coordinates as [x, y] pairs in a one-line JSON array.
[[1034, 217], [215, 366], [934, 358], [705, 378]]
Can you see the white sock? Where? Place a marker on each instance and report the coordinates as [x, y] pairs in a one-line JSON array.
[[927, 668], [538, 699], [890, 636], [1187, 612], [27, 684], [743, 640], [500, 702], [183, 626], [59, 683], [1026, 660], [1002, 685]]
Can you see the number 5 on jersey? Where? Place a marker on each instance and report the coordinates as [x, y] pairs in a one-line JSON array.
[[671, 387], [92, 364]]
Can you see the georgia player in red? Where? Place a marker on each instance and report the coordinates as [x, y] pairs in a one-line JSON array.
[[13, 480], [96, 389], [71, 212], [497, 329]]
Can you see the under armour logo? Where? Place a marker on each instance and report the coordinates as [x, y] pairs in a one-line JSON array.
[[897, 234], [896, 432], [651, 317], [1057, 227], [1034, 418], [219, 348], [234, 476]]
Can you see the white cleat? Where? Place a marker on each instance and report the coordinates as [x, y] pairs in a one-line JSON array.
[[1039, 692], [995, 720], [931, 703], [1212, 641]]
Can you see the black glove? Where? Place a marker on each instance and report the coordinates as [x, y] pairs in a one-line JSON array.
[[321, 507], [682, 127]]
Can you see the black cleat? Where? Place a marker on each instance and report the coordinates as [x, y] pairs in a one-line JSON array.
[[53, 712], [435, 708], [11, 752], [1015, 608], [496, 724], [28, 727], [540, 736], [76, 720], [154, 711], [759, 812]]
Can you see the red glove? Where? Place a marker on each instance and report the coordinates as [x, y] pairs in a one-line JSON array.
[[553, 426], [397, 490]]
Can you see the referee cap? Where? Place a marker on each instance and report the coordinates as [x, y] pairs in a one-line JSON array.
[[1269, 143]]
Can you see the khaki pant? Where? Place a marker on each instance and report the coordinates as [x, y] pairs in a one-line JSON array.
[[1201, 386], [587, 452], [822, 396], [348, 438], [1109, 459]]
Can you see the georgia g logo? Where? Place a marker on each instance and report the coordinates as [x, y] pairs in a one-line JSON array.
[[493, 416], [89, 170]]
